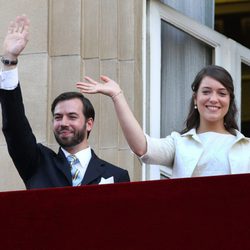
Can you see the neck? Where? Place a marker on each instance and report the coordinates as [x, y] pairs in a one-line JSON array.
[[212, 127], [77, 148]]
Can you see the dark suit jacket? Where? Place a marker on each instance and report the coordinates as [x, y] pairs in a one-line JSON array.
[[38, 165]]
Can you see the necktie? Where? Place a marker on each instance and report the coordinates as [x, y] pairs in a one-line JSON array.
[[76, 174]]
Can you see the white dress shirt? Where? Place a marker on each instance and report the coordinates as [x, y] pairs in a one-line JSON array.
[[9, 79], [83, 156]]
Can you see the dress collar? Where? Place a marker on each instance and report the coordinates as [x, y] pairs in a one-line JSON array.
[[193, 134]]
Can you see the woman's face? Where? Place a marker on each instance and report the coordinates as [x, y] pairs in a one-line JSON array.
[[212, 100]]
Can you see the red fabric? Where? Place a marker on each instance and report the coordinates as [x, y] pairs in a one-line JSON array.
[[195, 213]]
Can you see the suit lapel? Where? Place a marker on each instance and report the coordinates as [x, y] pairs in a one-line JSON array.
[[94, 170], [63, 165]]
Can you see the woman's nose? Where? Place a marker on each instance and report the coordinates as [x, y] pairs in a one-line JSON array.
[[214, 97]]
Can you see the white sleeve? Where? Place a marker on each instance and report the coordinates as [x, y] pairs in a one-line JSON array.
[[160, 151], [9, 79]]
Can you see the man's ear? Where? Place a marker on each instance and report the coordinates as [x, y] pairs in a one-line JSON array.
[[89, 124]]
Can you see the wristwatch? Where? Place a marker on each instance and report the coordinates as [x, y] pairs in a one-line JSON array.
[[8, 62]]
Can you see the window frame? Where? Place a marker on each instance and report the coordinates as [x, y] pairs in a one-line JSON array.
[[227, 53]]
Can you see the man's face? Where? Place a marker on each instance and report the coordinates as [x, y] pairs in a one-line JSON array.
[[69, 124]]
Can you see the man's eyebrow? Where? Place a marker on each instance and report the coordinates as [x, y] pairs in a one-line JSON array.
[[70, 113]]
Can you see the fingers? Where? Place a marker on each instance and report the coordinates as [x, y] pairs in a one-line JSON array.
[[11, 27], [105, 78], [89, 79], [23, 19], [85, 87], [20, 25]]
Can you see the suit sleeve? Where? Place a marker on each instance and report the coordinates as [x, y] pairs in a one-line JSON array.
[[124, 177], [21, 142]]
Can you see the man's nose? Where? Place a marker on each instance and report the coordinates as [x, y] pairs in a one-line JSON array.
[[65, 121]]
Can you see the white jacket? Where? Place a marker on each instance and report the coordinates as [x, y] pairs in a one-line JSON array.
[[183, 151]]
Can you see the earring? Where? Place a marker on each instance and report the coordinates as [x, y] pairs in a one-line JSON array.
[[195, 106]]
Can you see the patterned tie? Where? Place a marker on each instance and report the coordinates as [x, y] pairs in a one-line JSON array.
[[76, 174]]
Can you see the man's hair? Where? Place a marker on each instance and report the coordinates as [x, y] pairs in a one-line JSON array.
[[88, 109]]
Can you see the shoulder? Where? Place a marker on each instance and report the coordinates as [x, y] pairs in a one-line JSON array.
[[240, 138], [110, 170], [106, 164], [111, 167]]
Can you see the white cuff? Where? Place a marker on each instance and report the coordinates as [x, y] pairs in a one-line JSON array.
[[9, 79]]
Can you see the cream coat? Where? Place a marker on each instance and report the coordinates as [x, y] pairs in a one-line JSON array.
[[183, 151]]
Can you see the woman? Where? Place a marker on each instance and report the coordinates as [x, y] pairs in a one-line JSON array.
[[210, 144]]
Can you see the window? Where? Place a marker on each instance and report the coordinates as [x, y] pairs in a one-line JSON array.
[[177, 48]]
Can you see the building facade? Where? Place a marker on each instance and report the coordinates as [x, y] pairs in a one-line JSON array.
[[151, 48]]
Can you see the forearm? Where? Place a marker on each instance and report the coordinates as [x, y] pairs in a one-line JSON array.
[[16, 129], [130, 126]]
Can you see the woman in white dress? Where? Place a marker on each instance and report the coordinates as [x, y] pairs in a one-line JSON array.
[[210, 144]]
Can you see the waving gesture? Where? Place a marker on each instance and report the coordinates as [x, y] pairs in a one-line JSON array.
[[109, 87], [130, 126], [16, 38]]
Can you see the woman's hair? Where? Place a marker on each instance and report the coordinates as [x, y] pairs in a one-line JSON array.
[[221, 75]]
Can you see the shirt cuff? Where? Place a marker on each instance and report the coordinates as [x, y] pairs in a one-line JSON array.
[[9, 79]]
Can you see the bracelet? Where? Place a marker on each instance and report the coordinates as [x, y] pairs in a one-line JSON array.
[[8, 62], [115, 95]]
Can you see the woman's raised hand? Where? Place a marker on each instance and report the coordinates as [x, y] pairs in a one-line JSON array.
[[109, 87], [130, 127]]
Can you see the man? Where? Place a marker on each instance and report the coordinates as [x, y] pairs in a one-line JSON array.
[[73, 119]]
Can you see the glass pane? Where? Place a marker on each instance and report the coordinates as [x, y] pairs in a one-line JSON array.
[[245, 100], [182, 57], [232, 18], [163, 176]]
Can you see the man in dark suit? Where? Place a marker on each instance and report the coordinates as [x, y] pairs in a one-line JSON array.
[[73, 119]]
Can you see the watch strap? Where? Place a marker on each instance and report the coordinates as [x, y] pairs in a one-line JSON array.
[[6, 61]]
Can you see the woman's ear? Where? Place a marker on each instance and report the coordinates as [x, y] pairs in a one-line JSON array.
[[195, 100]]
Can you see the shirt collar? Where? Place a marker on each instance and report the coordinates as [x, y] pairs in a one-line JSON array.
[[83, 156]]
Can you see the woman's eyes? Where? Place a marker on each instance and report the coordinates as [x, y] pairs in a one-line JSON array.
[[222, 93], [207, 92]]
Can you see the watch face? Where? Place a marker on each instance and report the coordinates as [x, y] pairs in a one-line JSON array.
[[8, 62]]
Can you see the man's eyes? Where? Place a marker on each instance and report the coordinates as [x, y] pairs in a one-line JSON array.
[[57, 117], [71, 117]]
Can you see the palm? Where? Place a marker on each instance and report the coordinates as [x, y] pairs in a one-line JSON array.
[[17, 36], [14, 43], [109, 87], [106, 88]]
